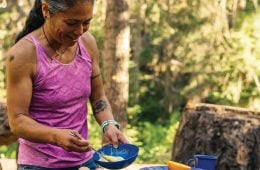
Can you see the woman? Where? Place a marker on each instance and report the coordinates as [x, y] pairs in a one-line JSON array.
[[52, 71]]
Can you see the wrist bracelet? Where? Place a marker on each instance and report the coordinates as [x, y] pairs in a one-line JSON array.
[[107, 122]]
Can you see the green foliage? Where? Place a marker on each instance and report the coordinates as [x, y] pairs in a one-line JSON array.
[[94, 133], [8, 151], [242, 70], [217, 64], [155, 139], [147, 55], [97, 24]]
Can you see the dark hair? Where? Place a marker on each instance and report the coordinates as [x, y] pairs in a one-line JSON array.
[[36, 18]]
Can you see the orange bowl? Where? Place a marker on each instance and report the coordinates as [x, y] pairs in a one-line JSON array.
[[177, 166]]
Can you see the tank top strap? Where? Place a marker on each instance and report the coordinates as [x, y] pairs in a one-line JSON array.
[[82, 49], [32, 39], [41, 55]]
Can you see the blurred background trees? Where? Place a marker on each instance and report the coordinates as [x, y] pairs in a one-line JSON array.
[[181, 51], [116, 58]]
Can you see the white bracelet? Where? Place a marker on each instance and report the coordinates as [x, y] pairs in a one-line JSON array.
[[107, 122]]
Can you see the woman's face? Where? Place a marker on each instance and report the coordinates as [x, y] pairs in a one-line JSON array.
[[67, 26]]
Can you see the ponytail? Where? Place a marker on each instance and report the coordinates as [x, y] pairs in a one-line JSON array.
[[34, 20]]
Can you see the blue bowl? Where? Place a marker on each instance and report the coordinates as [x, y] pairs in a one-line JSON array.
[[128, 151]]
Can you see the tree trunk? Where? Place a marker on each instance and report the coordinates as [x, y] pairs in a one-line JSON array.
[[116, 57], [230, 133], [6, 137]]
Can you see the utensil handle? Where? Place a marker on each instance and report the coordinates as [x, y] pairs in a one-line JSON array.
[[101, 155]]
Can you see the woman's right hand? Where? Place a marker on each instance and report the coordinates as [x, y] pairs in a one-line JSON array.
[[71, 141]]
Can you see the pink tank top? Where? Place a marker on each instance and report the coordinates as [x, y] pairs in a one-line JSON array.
[[59, 99]]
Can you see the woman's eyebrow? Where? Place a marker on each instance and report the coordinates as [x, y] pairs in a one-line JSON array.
[[78, 20]]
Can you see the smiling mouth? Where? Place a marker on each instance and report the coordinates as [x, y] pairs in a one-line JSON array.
[[73, 39]]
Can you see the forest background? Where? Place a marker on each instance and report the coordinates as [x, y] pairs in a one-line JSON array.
[[181, 51]]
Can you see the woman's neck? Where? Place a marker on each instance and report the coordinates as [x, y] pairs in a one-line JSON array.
[[52, 43]]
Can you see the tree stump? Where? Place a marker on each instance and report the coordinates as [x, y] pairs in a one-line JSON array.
[[230, 133], [6, 137]]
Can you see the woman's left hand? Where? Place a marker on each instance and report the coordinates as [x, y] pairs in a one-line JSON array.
[[114, 136]]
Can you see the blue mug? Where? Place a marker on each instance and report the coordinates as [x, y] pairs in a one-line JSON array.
[[206, 162]]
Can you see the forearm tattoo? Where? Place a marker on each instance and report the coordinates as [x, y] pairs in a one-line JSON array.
[[100, 106]]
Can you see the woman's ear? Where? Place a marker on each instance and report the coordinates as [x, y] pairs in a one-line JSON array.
[[45, 10]]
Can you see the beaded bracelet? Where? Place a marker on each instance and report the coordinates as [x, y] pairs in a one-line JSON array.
[[107, 122]]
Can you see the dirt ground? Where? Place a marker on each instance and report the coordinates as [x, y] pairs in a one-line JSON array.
[[10, 164]]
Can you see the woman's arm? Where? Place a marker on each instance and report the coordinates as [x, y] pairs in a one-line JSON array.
[[20, 70], [99, 102]]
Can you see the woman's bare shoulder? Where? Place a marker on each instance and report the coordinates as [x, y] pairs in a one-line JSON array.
[[21, 58], [88, 37], [90, 44], [23, 51]]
